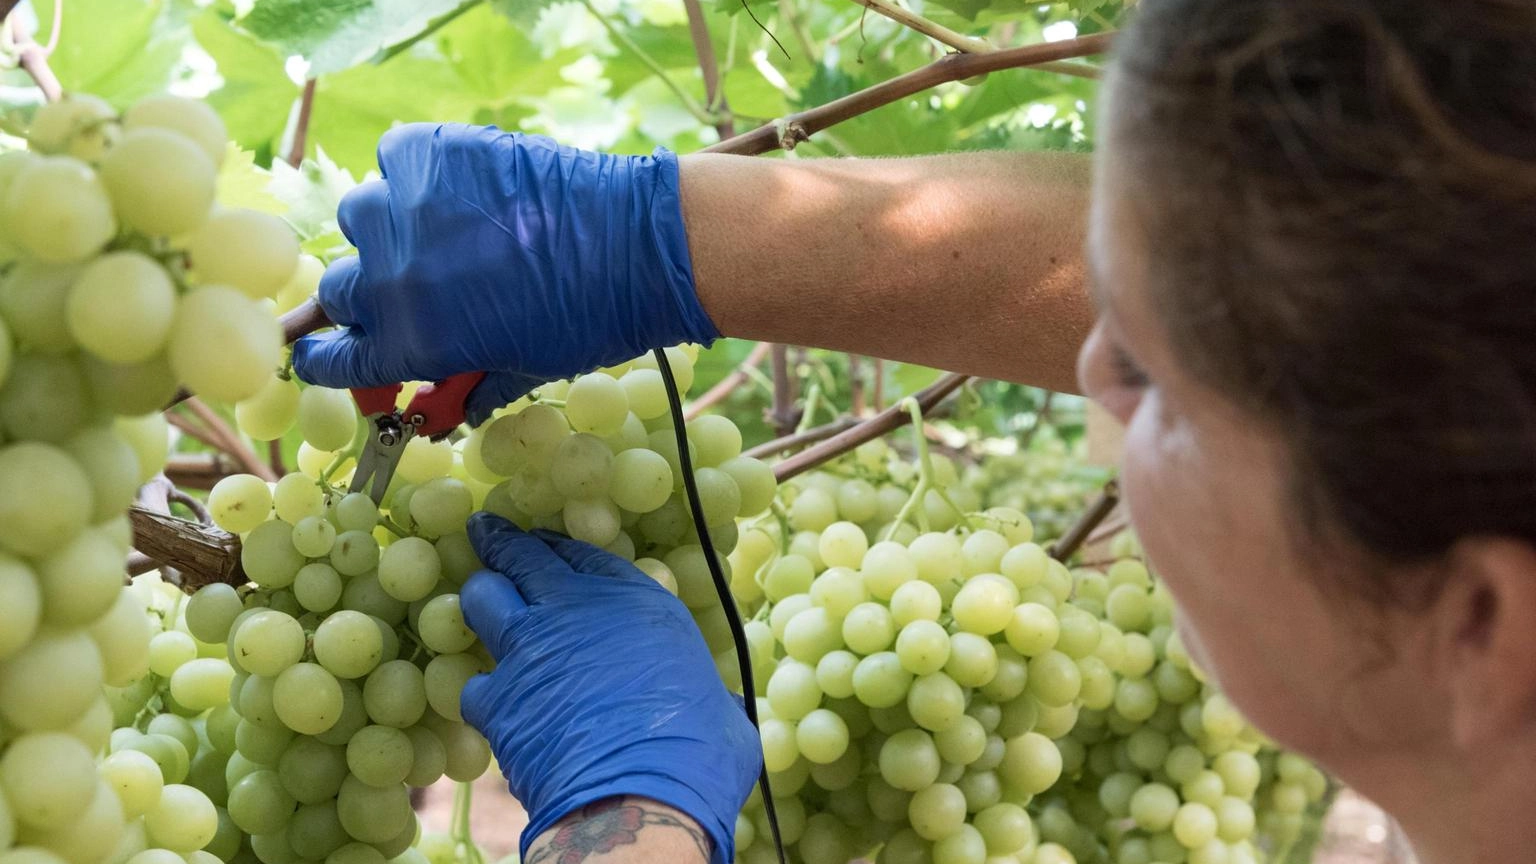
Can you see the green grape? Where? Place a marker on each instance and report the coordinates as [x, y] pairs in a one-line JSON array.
[[354, 715], [189, 117], [791, 574], [80, 580], [395, 694], [1054, 679], [310, 770], [909, 760], [259, 804], [327, 418], [184, 819], [441, 626], [58, 210], [1033, 629], [935, 701], [315, 831], [595, 521], [915, 601], [424, 459], [923, 647], [254, 701], [441, 506], [961, 742], [719, 496], [429, 758], [268, 557], [253, 251], [348, 644], [371, 814], [812, 510], [838, 590], [937, 557], [307, 698], [313, 537], [582, 466], [834, 673], [296, 498], [982, 552], [754, 481], [444, 680], [263, 745], [364, 594], [645, 392], [223, 345], [161, 182], [1154, 806], [409, 568], [240, 502], [880, 681], [48, 777], [937, 811], [985, 604], [886, 567], [1129, 607], [354, 553], [122, 635], [528, 437], [356, 512], [33, 297], [135, 778], [1239, 773], [810, 634], [129, 388], [858, 501], [1031, 763], [211, 611], [792, 690], [267, 643], [379, 755], [868, 628], [1005, 828], [972, 660], [46, 399], [1079, 632], [77, 125], [458, 557], [148, 435], [121, 307], [175, 727], [596, 403], [842, 544], [716, 438], [51, 681], [202, 683]]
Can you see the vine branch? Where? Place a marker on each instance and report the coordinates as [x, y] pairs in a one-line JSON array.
[[801, 439], [738, 376], [914, 21], [229, 441], [34, 59], [709, 67], [1101, 507], [787, 132], [301, 125], [782, 414], [876, 426]]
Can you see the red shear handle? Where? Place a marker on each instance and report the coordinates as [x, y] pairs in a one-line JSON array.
[[441, 406], [376, 400]]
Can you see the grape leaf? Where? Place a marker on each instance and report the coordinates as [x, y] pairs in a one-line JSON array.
[[312, 191], [243, 183], [132, 57], [338, 34], [257, 92]]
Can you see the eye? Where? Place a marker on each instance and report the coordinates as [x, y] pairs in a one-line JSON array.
[[1127, 373]]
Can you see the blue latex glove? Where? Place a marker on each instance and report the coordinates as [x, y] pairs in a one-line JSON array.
[[484, 250], [603, 686]]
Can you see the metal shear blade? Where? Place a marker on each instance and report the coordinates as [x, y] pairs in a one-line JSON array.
[[381, 455]]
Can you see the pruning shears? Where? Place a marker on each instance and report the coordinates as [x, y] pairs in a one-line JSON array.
[[434, 411]]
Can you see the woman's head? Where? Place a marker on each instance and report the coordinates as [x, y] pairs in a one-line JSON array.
[[1313, 232]]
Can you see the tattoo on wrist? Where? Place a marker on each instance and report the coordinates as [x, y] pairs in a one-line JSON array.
[[604, 826]]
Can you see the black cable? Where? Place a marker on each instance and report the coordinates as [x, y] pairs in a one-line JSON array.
[[722, 588]]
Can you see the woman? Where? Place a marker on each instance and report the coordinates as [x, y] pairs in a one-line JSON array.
[[1310, 248]]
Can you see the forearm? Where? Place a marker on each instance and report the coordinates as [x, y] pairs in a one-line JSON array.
[[626, 830], [969, 262]]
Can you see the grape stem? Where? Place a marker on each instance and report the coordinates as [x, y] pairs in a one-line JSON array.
[[783, 414], [906, 18], [709, 67], [463, 798], [727, 385], [229, 441], [1101, 507], [812, 402], [301, 125], [886, 421], [925, 481], [787, 132], [33, 58]]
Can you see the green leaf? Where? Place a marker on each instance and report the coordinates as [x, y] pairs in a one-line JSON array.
[[524, 14], [338, 34], [496, 63], [312, 191], [243, 183], [257, 93], [910, 377], [119, 50]]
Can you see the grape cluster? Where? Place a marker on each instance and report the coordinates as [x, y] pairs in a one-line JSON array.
[[937, 690], [119, 282], [1050, 480], [308, 702]]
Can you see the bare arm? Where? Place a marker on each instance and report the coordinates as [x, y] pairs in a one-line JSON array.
[[969, 262], [625, 830]]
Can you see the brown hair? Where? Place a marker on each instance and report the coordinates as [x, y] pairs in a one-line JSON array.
[[1344, 235]]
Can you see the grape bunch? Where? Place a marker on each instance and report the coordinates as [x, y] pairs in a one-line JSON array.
[[305, 704], [120, 281], [937, 690]]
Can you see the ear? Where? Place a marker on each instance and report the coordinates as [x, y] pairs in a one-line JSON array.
[[1486, 624]]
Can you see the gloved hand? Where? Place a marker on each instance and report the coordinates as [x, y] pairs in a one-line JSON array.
[[603, 686], [484, 250]]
